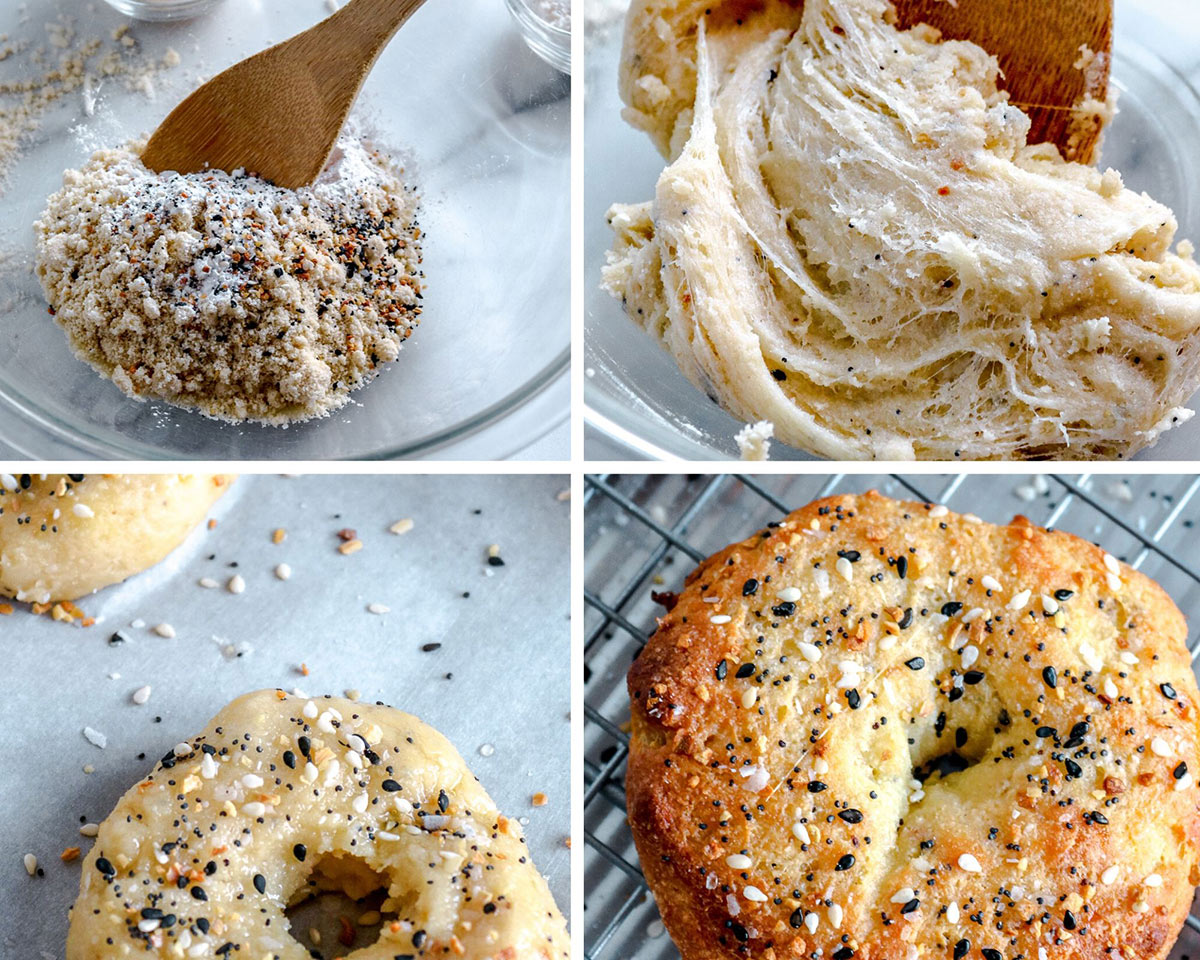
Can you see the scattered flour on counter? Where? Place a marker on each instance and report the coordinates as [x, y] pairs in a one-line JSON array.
[[66, 64], [754, 440], [223, 293]]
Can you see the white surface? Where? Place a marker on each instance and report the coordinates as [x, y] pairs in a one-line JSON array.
[[507, 646]]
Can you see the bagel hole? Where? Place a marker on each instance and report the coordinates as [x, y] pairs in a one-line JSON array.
[[341, 907], [948, 745]]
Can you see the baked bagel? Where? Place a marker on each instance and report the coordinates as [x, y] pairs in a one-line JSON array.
[[882, 730], [62, 537], [281, 795]]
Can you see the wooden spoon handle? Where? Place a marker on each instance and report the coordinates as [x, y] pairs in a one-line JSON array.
[[374, 21]]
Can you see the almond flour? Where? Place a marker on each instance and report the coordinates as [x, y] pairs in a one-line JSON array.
[[223, 293]]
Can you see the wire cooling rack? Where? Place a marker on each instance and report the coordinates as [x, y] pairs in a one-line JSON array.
[[644, 533]]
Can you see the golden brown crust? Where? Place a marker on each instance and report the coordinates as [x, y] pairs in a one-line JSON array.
[[1077, 798]]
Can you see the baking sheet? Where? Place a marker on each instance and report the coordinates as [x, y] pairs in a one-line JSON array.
[[624, 562], [500, 677]]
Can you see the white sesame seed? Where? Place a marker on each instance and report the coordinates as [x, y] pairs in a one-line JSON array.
[[809, 651], [752, 892], [95, 737], [1111, 563], [1088, 653], [183, 749], [938, 510], [835, 915], [655, 928], [800, 832], [820, 766], [1049, 605], [1019, 601], [141, 695], [283, 572], [1154, 880], [968, 862], [789, 594], [844, 568], [1183, 782], [1114, 582], [990, 583], [952, 913], [720, 618], [739, 861], [401, 527], [1159, 746], [252, 781], [30, 864], [887, 641], [310, 710], [903, 895], [1109, 875], [208, 583], [236, 584], [148, 925], [359, 803], [810, 921], [310, 772], [1110, 689], [8, 482], [1128, 658], [208, 766], [969, 655], [1141, 906], [750, 698], [83, 510], [165, 630], [378, 608], [254, 809], [972, 615]]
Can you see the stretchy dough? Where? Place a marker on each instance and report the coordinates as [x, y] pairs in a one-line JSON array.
[[62, 537], [280, 792], [854, 242], [882, 731]]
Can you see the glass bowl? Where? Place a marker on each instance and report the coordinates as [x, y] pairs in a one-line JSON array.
[[162, 9], [484, 125], [636, 399], [549, 40]]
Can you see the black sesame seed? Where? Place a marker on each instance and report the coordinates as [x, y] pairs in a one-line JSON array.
[[851, 815], [797, 917], [489, 907], [1063, 595], [845, 862], [1046, 733], [1180, 771], [1069, 920], [105, 867], [912, 905], [853, 699], [260, 883], [722, 670], [750, 587], [916, 663], [1168, 691], [443, 801], [902, 567], [816, 786], [1050, 675], [199, 893], [990, 954], [739, 931], [744, 671], [907, 619], [391, 786], [784, 609], [300, 851], [843, 953], [852, 555], [1074, 770], [951, 608], [961, 949], [972, 677], [289, 759]]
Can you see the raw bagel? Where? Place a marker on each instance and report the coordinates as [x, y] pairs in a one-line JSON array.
[[854, 242], [202, 857], [62, 537], [883, 730]]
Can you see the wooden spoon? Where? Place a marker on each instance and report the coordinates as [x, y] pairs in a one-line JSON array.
[[1037, 43], [278, 113]]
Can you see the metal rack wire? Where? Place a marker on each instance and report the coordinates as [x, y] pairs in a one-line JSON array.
[[645, 532]]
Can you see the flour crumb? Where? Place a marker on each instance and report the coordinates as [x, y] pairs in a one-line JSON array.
[[222, 293], [754, 440]]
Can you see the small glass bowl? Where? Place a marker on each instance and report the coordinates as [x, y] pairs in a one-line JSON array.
[[162, 9], [550, 42]]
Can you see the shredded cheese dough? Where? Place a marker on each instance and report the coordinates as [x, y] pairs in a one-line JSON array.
[[855, 242]]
